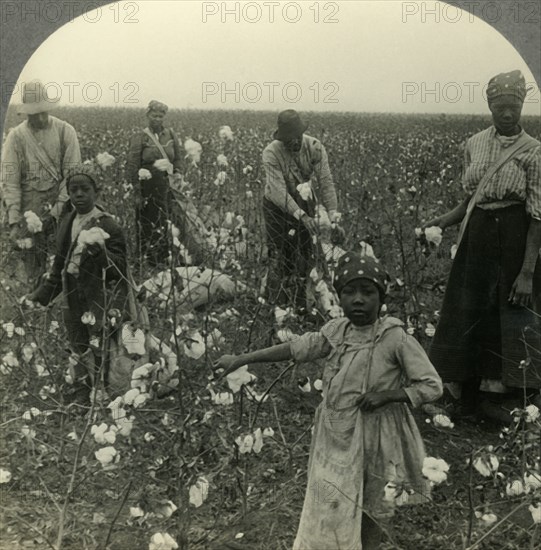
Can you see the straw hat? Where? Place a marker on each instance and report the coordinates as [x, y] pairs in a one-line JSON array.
[[35, 99]]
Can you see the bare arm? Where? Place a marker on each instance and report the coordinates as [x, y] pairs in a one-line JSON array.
[[452, 217], [521, 292], [230, 363]]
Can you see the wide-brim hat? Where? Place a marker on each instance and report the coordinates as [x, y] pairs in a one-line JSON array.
[[290, 125], [35, 99]]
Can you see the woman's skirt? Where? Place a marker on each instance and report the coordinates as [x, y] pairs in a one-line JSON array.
[[480, 333], [151, 218]]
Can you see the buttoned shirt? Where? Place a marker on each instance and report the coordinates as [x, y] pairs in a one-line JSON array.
[[22, 173], [284, 170], [519, 179]]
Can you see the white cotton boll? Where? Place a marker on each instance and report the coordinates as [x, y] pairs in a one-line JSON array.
[[258, 441], [532, 481], [247, 170], [318, 385], [220, 179], [199, 491], [163, 165], [25, 244], [430, 330], [124, 423], [88, 318], [514, 488], [105, 160], [245, 444], [107, 455], [194, 346], [268, 432], [489, 519], [136, 512], [193, 151], [304, 385], [225, 133], [33, 222], [435, 469], [130, 395], [305, 190], [367, 250], [238, 378], [434, 235], [162, 541], [418, 232], [9, 329], [532, 413], [133, 339], [222, 161], [144, 174], [536, 512], [5, 476], [486, 465], [166, 509], [94, 235], [140, 400], [390, 491], [222, 398], [442, 421]]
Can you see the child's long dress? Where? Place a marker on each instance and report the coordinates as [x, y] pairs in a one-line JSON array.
[[354, 454]]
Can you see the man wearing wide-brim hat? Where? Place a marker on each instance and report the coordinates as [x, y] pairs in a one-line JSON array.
[[297, 174], [35, 158]]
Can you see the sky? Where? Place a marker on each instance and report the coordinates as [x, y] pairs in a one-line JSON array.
[[365, 55]]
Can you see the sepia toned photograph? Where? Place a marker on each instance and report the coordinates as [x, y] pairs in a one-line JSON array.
[[270, 275]]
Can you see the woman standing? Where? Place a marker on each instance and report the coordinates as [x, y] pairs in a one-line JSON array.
[[489, 336], [154, 143]]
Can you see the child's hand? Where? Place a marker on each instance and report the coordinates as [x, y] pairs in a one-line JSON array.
[[227, 363], [373, 400]]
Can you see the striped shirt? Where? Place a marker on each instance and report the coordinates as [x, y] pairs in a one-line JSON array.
[[518, 180], [285, 170]]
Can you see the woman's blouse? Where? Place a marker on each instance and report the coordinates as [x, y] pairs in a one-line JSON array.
[[518, 180]]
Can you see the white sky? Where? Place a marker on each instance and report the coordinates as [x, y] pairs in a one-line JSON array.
[[154, 49]]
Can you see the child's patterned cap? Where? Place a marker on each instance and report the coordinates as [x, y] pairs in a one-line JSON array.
[[353, 266], [83, 169]]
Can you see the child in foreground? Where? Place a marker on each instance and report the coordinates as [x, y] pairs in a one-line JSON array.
[[366, 446]]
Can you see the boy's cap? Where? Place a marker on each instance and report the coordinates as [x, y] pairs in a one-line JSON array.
[[353, 266], [84, 169]]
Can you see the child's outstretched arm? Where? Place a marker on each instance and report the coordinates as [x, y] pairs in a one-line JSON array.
[[230, 363]]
